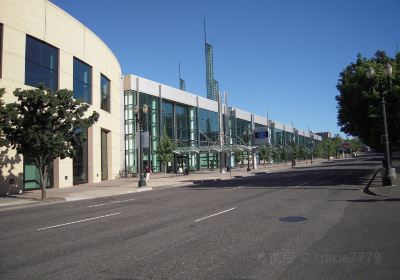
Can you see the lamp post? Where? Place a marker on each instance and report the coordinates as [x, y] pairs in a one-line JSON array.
[[246, 138], [389, 177], [312, 147], [139, 122]]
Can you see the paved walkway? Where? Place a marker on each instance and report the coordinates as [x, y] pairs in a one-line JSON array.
[[160, 180], [130, 185], [387, 192]]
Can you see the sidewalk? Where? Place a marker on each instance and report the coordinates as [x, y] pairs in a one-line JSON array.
[[387, 192], [130, 185]]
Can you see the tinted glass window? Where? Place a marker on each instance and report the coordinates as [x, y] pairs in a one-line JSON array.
[[80, 160], [41, 64], [82, 81], [105, 93]]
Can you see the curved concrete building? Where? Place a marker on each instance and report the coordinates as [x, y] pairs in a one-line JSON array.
[[42, 43]]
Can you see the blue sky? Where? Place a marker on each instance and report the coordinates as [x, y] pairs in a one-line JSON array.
[[282, 56]]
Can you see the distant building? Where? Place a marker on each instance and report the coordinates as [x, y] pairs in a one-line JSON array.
[[324, 135]]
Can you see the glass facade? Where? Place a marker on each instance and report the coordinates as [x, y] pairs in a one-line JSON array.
[[209, 132], [151, 124], [130, 131], [244, 132], [82, 81], [168, 118], [187, 126], [41, 64], [105, 93], [80, 160], [208, 126]]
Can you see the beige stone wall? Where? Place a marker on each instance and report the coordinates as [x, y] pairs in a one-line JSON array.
[[47, 22]]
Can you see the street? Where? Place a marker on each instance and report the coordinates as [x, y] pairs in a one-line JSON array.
[[305, 223]]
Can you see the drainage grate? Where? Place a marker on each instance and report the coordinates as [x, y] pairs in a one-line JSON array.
[[292, 219]]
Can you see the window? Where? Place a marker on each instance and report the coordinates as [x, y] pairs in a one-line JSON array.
[[41, 64], [1, 49], [82, 81], [80, 159], [105, 93], [168, 119]]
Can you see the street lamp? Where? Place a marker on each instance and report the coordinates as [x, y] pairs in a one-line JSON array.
[[139, 128], [246, 138], [389, 178]]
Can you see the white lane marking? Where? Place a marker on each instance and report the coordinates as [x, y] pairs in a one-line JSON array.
[[301, 184], [112, 202], [235, 188], [80, 221], [219, 213]]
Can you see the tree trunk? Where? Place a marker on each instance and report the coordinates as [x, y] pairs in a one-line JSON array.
[[42, 167]]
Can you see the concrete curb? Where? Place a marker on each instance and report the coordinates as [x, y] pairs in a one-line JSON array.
[[382, 191], [78, 196]]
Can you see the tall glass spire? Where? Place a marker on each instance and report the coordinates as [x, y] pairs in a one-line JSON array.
[[211, 83]]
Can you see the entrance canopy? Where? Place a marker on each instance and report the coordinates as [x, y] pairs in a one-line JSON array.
[[213, 149]]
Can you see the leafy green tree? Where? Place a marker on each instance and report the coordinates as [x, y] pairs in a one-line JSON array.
[[276, 154], [44, 125], [3, 140], [284, 153], [355, 144], [326, 148], [165, 150], [265, 153], [359, 104], [238, 157], [336, 142]]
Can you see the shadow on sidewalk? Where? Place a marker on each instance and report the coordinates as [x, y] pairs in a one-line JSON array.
[[300, 179]]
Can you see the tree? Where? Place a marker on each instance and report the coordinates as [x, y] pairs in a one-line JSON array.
[[355, 145], [336, 142], [276, 154], [44, 125], [165, 150], [284, 153], [3, 140], [265, 153], [238, 156], [359, 105], [326, 148]]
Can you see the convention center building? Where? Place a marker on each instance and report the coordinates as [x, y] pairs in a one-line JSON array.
[[41, 43]]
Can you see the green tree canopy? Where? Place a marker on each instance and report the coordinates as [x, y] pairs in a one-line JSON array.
[[359, 106], [165, 149], [265, 153], [355, 144], [3, 140], [44, 125], [238, 157]]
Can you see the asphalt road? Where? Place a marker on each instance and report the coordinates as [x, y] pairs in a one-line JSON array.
[[306, 223]]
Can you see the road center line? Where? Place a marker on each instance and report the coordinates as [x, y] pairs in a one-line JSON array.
[[219, 213], [301, 184], [80, 221], [112, 202]]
